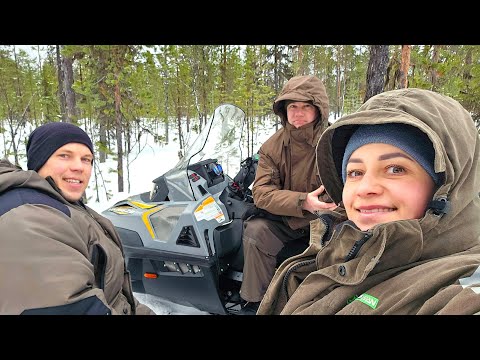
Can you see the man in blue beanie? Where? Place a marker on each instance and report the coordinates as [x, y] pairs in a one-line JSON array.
[[65, 258]]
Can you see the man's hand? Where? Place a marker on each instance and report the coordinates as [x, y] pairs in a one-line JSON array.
[[312, 203]]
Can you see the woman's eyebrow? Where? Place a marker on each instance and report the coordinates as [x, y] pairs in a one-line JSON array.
[[382, 157], [393, 155], [354, 160]]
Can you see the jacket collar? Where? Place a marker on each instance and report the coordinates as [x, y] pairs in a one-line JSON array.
[[307, 133]]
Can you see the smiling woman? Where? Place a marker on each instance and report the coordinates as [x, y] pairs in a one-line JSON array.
[[374, 191], [379, 163]]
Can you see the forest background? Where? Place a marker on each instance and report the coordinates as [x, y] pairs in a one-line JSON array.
[[121, 93]]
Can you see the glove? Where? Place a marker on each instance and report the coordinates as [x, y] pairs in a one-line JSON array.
[[254, 211], [251, 211]]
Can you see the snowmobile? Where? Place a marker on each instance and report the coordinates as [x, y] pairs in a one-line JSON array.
[[183, 239]]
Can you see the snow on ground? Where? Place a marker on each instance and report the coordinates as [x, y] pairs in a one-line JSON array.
[[164, 307]]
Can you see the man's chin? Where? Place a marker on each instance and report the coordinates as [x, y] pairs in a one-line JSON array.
[[72, 197], [299, 125]]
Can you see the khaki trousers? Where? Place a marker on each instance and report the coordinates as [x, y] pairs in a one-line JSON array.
[[262, 241]]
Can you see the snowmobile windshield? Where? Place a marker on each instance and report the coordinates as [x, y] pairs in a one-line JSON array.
[[220, 139]]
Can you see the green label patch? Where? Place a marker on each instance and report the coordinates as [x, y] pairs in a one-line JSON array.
[[368, 300]]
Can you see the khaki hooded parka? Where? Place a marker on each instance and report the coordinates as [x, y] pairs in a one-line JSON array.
[[287, 169], [57, 257], [421, 266]]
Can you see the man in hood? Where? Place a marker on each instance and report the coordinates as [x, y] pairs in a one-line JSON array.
[[287, 189], [406, 167], [57, 256]]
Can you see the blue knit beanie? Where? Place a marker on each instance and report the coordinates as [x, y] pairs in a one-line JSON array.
[[48, 138], [408, 138]]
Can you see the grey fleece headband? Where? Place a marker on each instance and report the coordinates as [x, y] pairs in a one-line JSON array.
[[408, 138]]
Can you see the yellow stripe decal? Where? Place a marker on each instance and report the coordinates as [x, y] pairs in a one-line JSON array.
[[142, 205], [147, 222]]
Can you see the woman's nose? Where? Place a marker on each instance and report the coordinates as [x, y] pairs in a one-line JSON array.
[[369, 184]]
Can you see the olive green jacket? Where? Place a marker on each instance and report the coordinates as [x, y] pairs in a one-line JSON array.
[[421, 266]]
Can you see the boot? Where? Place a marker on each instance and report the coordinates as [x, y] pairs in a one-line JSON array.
[[249, 308]]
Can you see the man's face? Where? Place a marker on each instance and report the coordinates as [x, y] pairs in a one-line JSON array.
[[301, 113], [70, 167]]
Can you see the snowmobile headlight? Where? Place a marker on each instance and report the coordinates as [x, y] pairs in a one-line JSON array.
[[164, 221]]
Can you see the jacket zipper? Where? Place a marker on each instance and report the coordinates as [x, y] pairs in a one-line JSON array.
[[357, 245], [304, 262]]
